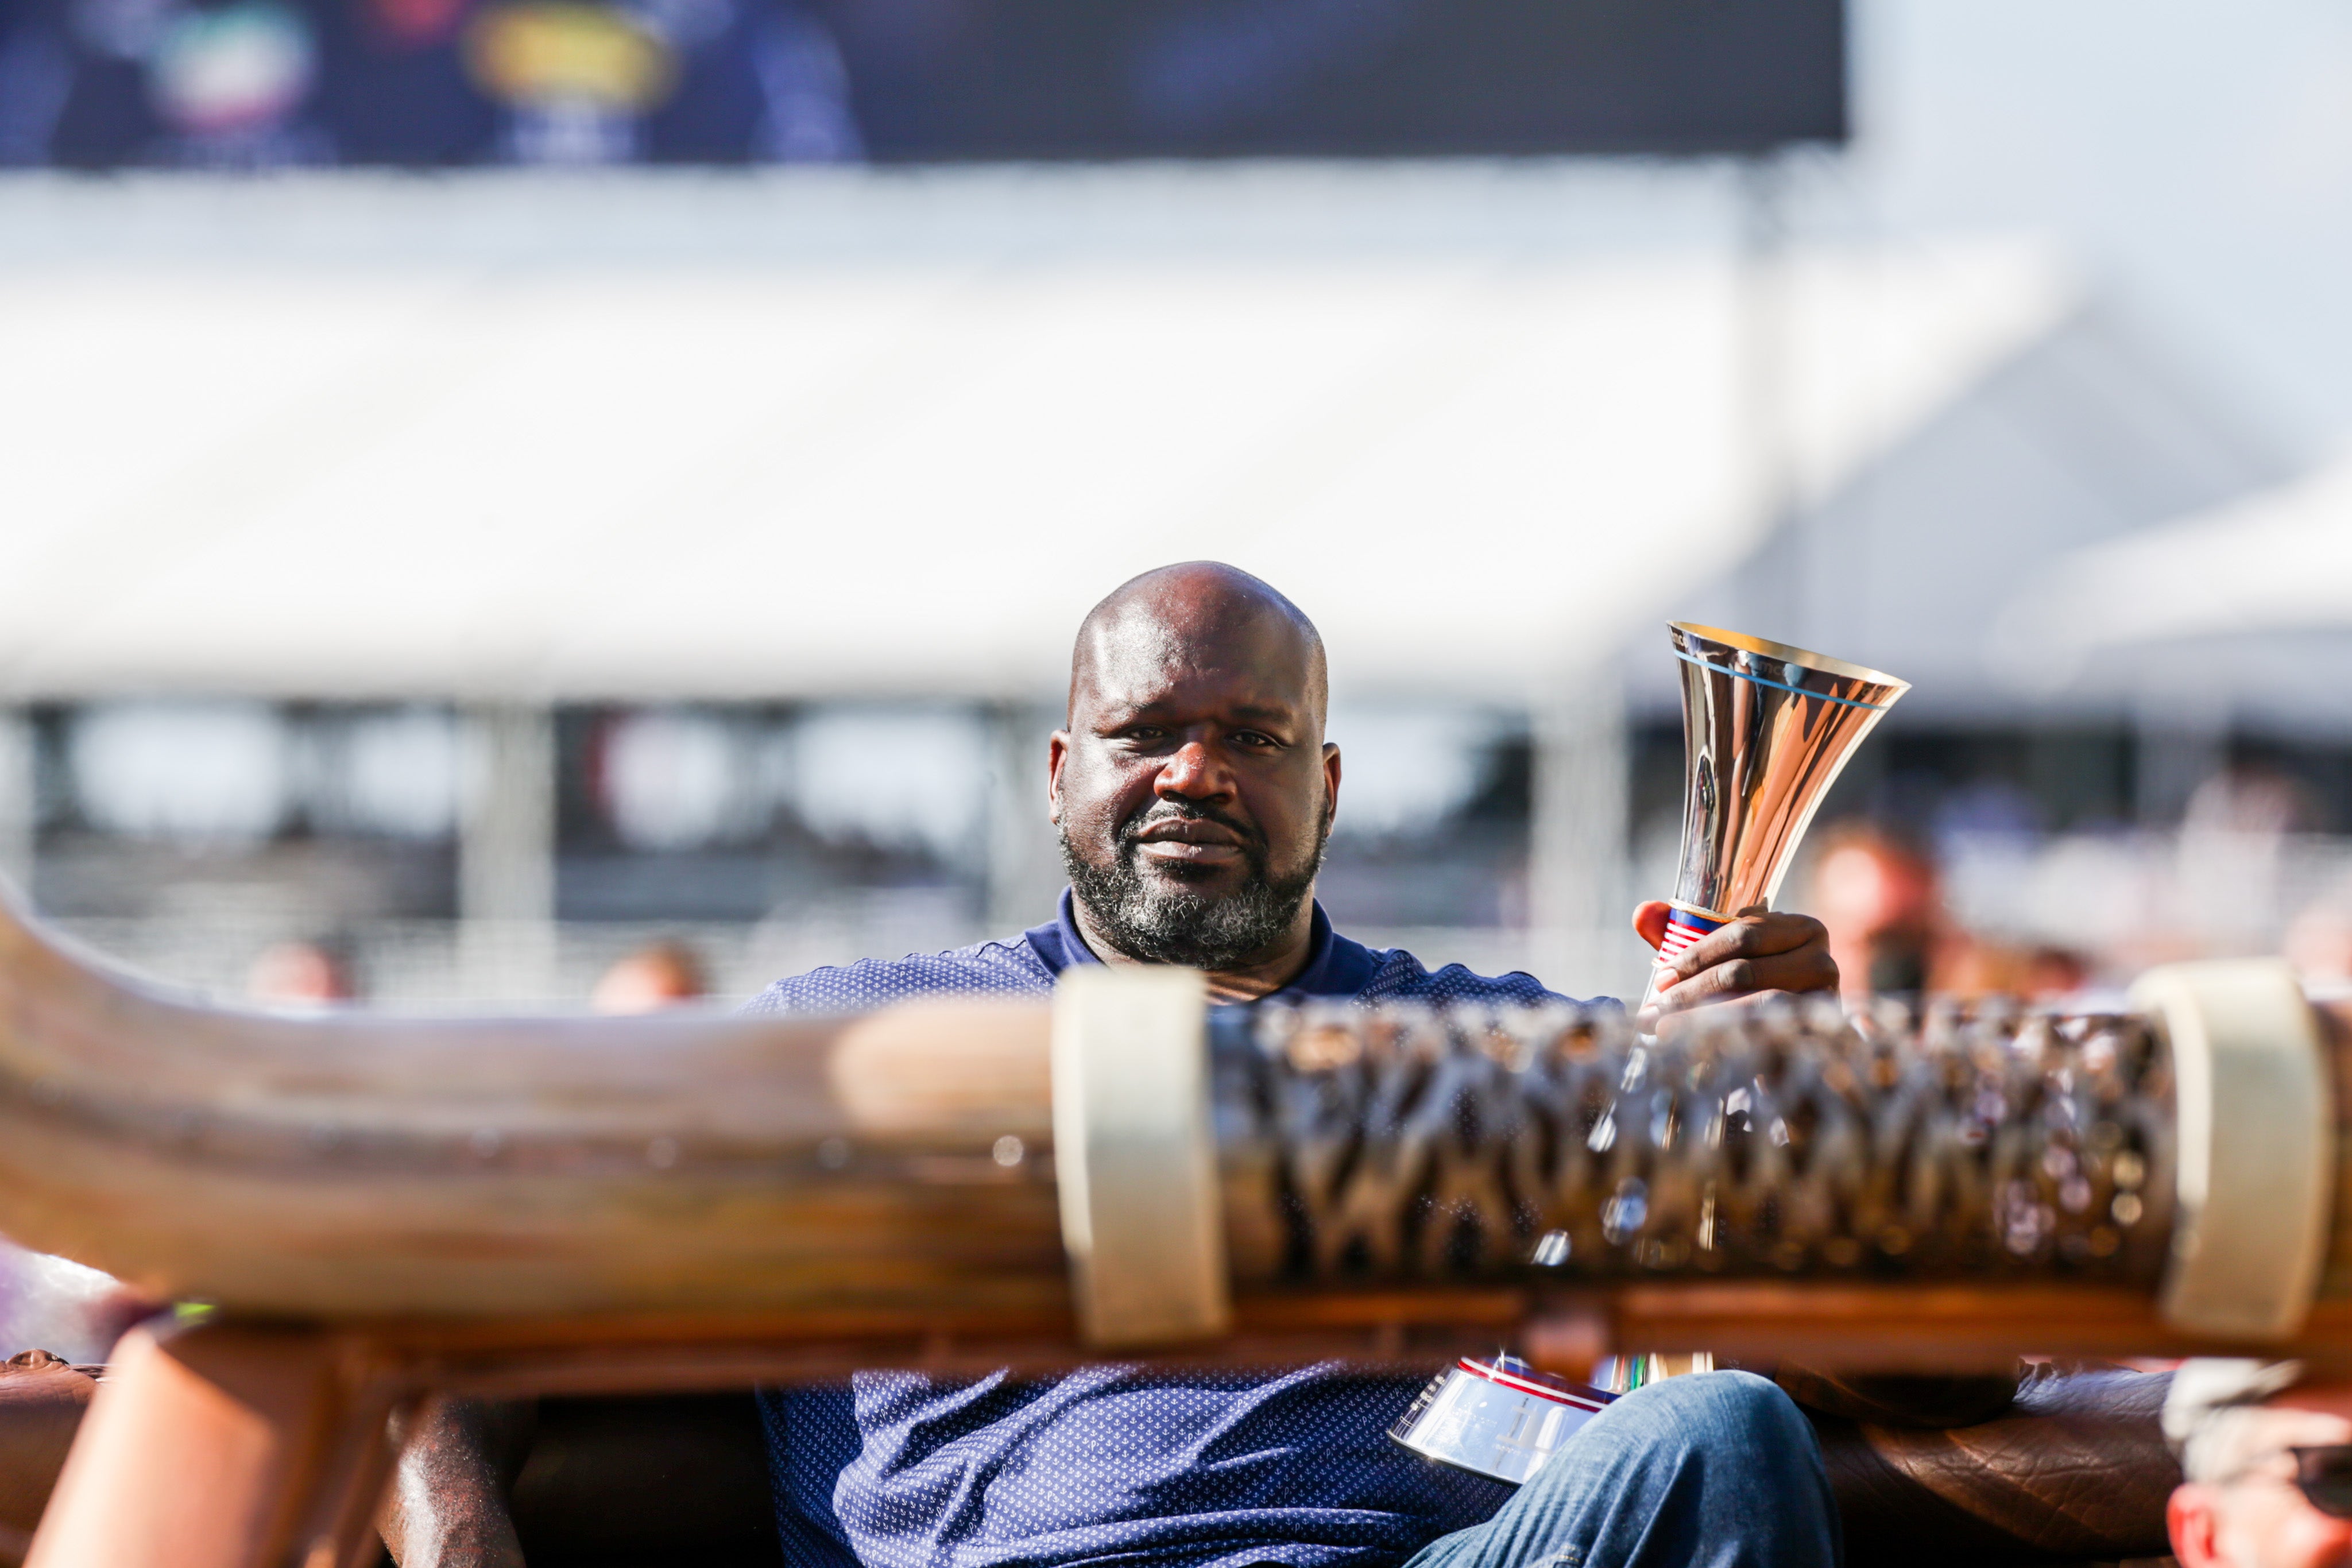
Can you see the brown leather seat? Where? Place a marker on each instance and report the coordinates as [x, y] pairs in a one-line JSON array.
[[2069, 1466], [41, 1402]]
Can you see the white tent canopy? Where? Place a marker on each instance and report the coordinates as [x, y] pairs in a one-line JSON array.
[[2243, 610], [361, 455], [2091, 435]]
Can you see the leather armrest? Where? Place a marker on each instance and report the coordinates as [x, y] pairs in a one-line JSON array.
[[2076, 1469], [1899, 1401], [41, 1402]]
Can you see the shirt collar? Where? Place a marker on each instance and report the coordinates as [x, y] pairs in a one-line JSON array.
[[1337, 966]]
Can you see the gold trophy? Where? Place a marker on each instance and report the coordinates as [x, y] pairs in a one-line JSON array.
[[1766, 729]]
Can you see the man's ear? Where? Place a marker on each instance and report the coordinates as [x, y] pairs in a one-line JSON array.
[[1057, 751], [1330, 783], [2189, 1519]]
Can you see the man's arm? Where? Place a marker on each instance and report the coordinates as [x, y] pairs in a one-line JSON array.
[[448, 1506]]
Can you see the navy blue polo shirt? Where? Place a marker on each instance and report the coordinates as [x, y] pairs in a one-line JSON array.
[[1337, 966], [1112, 1465]]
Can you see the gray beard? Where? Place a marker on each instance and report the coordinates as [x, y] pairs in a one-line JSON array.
[[1157, 920]]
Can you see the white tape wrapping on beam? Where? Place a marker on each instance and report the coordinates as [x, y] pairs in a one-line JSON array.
[[2257, 1153], [1135, 1156]]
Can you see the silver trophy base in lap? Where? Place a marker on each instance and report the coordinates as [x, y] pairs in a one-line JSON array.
[[1499, 1418]]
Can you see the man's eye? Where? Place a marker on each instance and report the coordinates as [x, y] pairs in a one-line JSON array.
[[1143, 732], [1254, 737]]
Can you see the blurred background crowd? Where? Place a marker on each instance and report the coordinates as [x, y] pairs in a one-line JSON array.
[[583, 501]]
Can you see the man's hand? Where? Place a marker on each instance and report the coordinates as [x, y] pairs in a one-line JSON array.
[[1760, 954]]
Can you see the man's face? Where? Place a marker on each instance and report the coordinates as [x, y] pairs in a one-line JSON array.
[[2257, 1518], [1192, 787]]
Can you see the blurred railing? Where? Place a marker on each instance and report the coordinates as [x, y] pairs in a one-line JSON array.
[[426, 963], [423, 963], [2122, 900], [2129, 897]]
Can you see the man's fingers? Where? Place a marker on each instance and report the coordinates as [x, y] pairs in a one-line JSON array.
[[1758, 954], [1805, 969], [1753, 935]]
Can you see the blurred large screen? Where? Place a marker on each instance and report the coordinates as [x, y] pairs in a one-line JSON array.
[[266, 83]]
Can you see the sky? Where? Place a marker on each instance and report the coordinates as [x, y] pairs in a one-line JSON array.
[[2193, 157]]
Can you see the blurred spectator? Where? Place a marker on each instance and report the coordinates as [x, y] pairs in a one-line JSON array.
[[2051, 972], [2231, 855], [656, 975], [2266, 1461], [301, 974], [2320, 939], [1967, 966], [2249, 797], [1880, 900]]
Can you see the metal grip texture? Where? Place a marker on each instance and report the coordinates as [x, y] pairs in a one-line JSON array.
[[1405, 1141]]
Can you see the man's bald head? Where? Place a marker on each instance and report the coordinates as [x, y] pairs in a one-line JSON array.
[[1191, 782], [1198, 615]]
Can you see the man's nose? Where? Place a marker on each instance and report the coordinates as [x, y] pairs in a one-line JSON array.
[[1193, 773]]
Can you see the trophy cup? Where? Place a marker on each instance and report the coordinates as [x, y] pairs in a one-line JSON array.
[[1766, 729]]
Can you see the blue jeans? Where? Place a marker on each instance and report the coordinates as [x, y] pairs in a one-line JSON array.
[[1715, 1469]]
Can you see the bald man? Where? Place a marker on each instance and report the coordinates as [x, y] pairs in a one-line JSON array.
[[1194, 791]]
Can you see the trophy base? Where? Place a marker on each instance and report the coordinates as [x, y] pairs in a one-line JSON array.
[[1499, 1418]]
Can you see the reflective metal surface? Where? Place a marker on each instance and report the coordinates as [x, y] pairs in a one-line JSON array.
[[1766, 729], [1499, 1418]]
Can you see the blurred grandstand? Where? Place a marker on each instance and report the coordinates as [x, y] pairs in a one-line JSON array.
[[514, 572], [445, 554]]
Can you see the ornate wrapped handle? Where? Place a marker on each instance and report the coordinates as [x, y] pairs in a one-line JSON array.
[[1415, 1143], [2189, 1150]]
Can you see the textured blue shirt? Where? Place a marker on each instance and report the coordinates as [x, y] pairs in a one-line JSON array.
[[1112, 1464], [1336, 967]]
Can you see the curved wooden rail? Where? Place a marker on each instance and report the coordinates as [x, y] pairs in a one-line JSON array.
[[346, 1165], [885, 1179]]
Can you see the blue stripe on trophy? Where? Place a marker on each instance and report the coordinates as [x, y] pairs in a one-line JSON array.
[[1779, 685]]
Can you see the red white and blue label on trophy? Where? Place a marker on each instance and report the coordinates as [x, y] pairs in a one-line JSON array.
[[1500, 1418], [1686, 924]]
